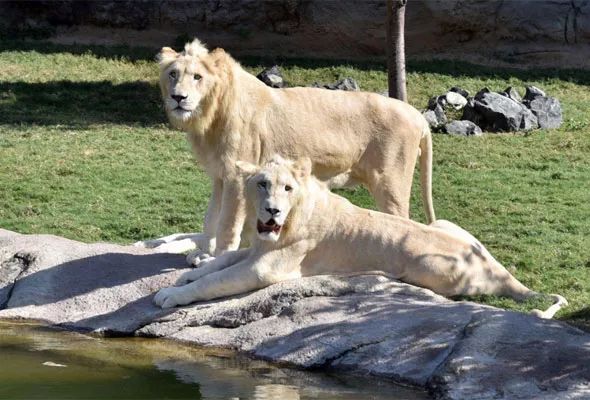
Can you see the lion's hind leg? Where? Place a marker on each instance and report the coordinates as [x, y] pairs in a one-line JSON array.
[[504, 284], [392, 193], [177, 243]]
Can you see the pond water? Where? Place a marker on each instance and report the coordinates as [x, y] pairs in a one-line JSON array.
[[41, 363]]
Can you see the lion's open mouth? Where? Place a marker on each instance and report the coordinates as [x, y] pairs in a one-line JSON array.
[[268, 227]]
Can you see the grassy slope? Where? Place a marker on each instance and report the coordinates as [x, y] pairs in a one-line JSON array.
[[85, 153]]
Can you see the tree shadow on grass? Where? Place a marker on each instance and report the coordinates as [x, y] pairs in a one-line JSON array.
[[116, 52], [80, 104]]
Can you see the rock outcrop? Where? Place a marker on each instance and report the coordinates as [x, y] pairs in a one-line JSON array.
[[366, 324], [516, 33]]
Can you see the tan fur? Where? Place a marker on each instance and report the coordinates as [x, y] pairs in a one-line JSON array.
[[351, 137], [323, 233]]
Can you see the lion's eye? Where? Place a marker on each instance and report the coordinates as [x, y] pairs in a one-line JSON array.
[[197, 77], [262, 185], [288, 188], [173, 74]]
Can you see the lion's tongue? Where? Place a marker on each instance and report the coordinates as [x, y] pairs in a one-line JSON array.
[[268, 227]]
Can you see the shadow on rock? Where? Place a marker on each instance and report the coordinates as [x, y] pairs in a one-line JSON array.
[[93, 274]]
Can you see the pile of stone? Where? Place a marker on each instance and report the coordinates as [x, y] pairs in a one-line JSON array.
[[272, 77], [489, 111]]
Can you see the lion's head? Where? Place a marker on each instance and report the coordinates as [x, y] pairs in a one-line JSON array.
[[275, 190], [187, 78]]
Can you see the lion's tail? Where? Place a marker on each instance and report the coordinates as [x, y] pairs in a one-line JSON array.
[[426, 172], [558, 303]]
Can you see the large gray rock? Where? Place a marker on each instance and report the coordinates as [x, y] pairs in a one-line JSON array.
[[272, 77], [455, 100], [507, 356], [547, 110], [460, 91], [471, 114], [97, 287], [532, 92], [436, 118], [512, 93], [463, 128], [498, 113], [529, 120], [362, 324], [348, 84]]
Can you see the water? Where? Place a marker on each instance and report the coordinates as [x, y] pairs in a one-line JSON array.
[[40, 363]]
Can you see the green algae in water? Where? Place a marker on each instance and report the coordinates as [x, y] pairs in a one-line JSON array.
[[41, 363], [37, 363]]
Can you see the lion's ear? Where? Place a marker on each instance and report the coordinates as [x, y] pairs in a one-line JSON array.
[[303, 166], [218, 56], [166, 56], [246, 168]]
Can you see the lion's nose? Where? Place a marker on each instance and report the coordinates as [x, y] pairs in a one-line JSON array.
[[273, 211], [178, 98]]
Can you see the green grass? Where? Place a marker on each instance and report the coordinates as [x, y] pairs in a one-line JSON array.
[[85, 153]]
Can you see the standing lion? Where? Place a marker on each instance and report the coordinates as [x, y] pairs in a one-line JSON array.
[[229, 115]]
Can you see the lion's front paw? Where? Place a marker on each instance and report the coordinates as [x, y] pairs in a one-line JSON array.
[[198, 257], [188, 277], [171, 297]]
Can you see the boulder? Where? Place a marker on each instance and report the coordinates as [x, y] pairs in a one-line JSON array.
[[455, 100], [436, 118], [463, 128], [437, 101], [532, 92], [512, 93], [272, 77], [529, 120], [547, 111], [471, 114], [365, 324], [500, 113], [101, 288], [348, 84], [460, 91]]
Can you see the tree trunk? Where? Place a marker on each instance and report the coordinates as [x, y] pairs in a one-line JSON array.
[[396, 53]]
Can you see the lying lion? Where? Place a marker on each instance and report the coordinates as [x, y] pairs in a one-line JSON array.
[[303, 229], [351, 137]]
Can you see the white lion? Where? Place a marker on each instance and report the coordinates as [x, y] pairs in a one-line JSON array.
[[229, 115], [303, 229]]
